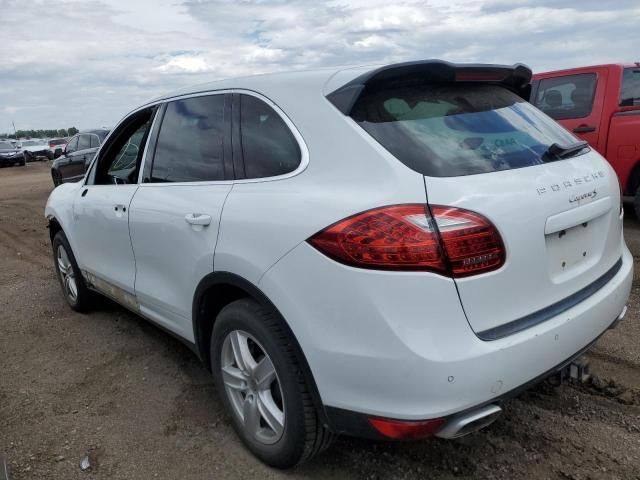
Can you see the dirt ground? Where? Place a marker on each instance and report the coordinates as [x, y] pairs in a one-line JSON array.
[[141, 406]]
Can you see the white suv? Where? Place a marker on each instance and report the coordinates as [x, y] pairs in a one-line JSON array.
[[384, 252]]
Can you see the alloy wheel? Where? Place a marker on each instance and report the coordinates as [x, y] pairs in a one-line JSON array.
[[67, 275], [252, 387]]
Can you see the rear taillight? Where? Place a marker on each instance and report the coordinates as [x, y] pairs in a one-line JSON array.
[[445, 240]]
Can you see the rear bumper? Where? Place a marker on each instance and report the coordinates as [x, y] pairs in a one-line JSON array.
[[398, 345], [357, 424]]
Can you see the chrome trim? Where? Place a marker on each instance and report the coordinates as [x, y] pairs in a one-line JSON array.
[[470, 422], [619, 318]]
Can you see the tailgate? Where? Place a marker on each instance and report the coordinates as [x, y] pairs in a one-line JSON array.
[[561, 226]]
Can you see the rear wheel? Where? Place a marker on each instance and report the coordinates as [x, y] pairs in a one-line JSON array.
[[76, 293], [28, 156], [259, 378]]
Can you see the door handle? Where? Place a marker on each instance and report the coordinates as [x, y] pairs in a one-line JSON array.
[[584, 129], [198, 219]]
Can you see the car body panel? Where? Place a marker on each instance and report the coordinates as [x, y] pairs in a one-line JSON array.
[[172, 256]]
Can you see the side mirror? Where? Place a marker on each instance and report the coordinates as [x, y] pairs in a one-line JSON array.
[[57, 153]]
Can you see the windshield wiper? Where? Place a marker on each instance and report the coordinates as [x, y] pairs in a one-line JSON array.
[[558, 152]]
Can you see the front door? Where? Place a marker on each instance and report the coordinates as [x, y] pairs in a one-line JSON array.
[[101, 211], [64, 163]]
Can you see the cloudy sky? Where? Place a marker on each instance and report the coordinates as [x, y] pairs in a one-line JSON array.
[[86, 63]]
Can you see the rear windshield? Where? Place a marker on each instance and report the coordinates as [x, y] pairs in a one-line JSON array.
[[458, 129]]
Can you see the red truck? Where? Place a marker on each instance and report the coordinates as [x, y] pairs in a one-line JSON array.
[[601, 105]]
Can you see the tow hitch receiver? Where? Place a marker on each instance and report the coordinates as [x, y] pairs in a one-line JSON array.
[[577, 371]]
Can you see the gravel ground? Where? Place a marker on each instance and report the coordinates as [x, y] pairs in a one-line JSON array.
[[141, 406]]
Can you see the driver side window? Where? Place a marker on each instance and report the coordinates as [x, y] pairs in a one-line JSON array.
[[120, 159]]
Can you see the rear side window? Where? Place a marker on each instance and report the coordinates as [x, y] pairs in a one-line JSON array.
[[446, 130], [84, 142], [190, 143], [630, 93], [268, 146], [570, 96]]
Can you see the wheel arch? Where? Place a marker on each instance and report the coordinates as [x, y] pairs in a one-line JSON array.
[[218, 289], [54, 226]]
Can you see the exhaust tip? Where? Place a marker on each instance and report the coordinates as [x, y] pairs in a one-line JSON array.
[[619, 318], [470, 422]]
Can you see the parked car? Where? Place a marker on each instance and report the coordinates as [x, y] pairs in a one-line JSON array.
[[600, 104], [78, 154], [34, 149], [11, 155], [56, 147], [341, 246]]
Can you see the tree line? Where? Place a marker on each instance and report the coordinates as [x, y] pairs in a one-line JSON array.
[[62, 132]]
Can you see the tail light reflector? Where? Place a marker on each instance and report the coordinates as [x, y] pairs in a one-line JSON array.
[[399, 429], [445, 240]]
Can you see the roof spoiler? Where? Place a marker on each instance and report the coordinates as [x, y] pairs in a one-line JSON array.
[[515, 77]]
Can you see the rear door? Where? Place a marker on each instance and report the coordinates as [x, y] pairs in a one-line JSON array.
[[576, 101], [482, 148], [175, 215]]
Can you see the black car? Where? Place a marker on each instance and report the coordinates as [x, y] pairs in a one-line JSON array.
[[76, 158], [10, 154]]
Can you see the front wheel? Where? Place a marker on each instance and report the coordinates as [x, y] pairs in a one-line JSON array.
[[55, 176], [258, 375], [76, 293]]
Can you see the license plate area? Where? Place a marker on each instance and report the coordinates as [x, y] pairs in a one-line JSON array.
[[574, 250]]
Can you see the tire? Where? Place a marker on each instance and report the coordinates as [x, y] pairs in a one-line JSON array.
[[264, 337], [75, 291], [28, 156], [55, 176], [22, 163], [636, 204]]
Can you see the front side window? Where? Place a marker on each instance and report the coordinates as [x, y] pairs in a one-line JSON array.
[[565, 97], [630, 93], [95, 141], [84, 142], [268, 146], [446, 130], [72, 146], [190, 142], [120, 158]]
